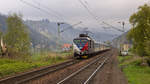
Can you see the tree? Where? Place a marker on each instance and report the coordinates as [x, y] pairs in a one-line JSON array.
[[140, 33], [17, 37]]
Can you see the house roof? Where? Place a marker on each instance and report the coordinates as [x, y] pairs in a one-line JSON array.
[[66, 45]]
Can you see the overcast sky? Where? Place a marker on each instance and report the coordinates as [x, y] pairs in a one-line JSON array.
[[72, 11]]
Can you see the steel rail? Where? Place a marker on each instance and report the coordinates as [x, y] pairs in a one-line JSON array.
[[73, 74], [99, 67], [43, 71], [31, 75]]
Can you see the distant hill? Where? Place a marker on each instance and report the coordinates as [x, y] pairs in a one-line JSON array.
[[44, 34], [120, 40], [3, 25]]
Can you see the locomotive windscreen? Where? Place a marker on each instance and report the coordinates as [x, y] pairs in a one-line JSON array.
[[80, 42]]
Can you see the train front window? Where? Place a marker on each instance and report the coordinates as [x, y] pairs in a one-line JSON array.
[[80, 43], [77, 41]]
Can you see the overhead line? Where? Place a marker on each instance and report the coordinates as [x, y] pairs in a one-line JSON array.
[[87, 9], [113, 27], [55, 12], [45, 11], [71, 26], [96, 18], [90, 12]]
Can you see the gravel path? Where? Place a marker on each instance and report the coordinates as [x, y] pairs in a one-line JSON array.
[[111, 73]]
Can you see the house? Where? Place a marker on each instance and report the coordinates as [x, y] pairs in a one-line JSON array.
[[125, 46], [66, 47]]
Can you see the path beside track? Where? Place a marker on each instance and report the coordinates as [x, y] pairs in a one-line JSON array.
[[111, 73]]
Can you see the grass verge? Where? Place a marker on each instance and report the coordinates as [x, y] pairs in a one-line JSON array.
[[11, 66], [135, 73]]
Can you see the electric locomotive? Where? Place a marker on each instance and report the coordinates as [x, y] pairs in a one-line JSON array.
[[83, 46]]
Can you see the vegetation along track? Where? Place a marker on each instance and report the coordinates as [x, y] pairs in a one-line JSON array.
[[86, 73], [37, 73]]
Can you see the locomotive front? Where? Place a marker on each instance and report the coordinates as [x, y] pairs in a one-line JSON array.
[[81, 46]]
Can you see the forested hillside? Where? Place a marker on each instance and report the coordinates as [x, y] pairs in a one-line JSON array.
[[44, 34]]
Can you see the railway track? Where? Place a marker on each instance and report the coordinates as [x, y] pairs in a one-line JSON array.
[[22, 78], [86, 73], [32, 75]]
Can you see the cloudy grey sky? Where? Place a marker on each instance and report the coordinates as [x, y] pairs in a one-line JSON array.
[[72, 11]]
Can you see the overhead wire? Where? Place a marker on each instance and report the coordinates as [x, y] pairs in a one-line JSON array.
[[97, 18], [59, 14], [90, 12], [87, 7], [70, 26], [40, 9], [53, 11], [113, 27], [50, 9]]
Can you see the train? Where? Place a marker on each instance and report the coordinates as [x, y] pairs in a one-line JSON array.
[[84, 46]]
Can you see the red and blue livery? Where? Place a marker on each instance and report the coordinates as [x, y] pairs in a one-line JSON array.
[[84, 46]]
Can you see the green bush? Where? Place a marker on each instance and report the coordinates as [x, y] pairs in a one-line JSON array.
[[13, 66], [135, 73], [6, 61], [137, 62], [124, 58]]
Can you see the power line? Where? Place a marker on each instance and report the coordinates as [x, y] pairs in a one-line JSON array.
[[89, 8], [49, 9], [89, 11], [113, 27], [96, 17], [70, 26], [40, 9], [86, 3]]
